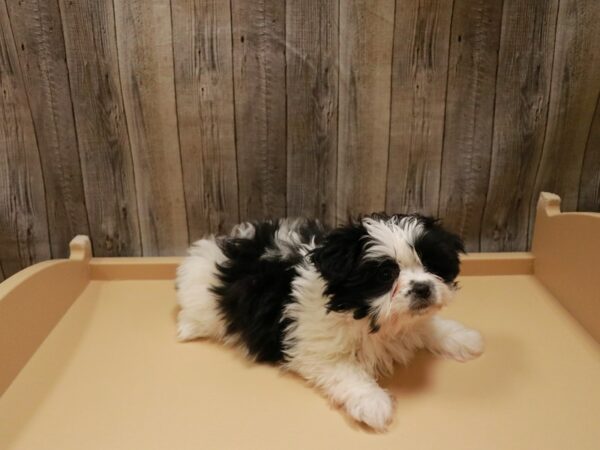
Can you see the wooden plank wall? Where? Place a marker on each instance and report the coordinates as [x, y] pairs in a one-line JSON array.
[[149, 123], [523, 83]]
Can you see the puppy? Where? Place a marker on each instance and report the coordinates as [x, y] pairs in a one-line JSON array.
[[339, 307]]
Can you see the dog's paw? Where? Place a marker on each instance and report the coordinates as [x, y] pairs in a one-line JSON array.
[[187, 330], [463, 345], [375, 409]]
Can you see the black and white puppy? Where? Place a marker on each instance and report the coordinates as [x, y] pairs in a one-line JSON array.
[[338, 307]]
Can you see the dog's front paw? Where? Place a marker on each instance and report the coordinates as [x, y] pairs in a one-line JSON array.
[[187, 329], [463, 344], [374, 408]]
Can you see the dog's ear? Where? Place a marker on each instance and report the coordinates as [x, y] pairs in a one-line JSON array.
[[439, 250], [340, 251], [450, 239], [457, 241]]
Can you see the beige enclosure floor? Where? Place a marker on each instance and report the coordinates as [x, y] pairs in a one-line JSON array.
[[111, 376]]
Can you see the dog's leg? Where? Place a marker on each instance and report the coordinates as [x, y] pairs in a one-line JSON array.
[[349, 385], [188, 327], [452, 339]]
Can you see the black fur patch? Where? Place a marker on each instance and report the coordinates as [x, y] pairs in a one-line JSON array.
[[254, 290], [439, 251], [352, 281]]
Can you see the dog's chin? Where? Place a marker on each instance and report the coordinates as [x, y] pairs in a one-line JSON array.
[[424, 310], [410, 313]]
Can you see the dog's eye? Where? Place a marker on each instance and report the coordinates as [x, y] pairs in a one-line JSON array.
[[388, 274]]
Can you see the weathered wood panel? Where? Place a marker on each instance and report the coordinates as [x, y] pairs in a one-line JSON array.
[[366, 36], [467, 150], [575, 89], [146, 67], [259, 83], [522, 92], [421, 40], [107, 167], [589, 185], [158, 121], [204, 87], [38, 36], [312, 100], [23, 220]]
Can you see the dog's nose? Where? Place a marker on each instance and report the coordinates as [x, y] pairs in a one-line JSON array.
[[421, 290]]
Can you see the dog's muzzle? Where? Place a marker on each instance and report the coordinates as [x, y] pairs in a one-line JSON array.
[[421, 295]]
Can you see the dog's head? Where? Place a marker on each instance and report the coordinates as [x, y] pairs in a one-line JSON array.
[[384, 266]]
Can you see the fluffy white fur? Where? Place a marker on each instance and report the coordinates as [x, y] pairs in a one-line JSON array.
[[331, 350]]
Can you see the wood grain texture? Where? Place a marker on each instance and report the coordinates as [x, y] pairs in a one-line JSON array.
[[23, 220], [149, 123], [38, 36], [366, 36], [107, 167], [467, 149], [259, 83], [204, 87], [146, 67], [421, 40], [589, 184], [522, 92], [575, 89], [312, 101]]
